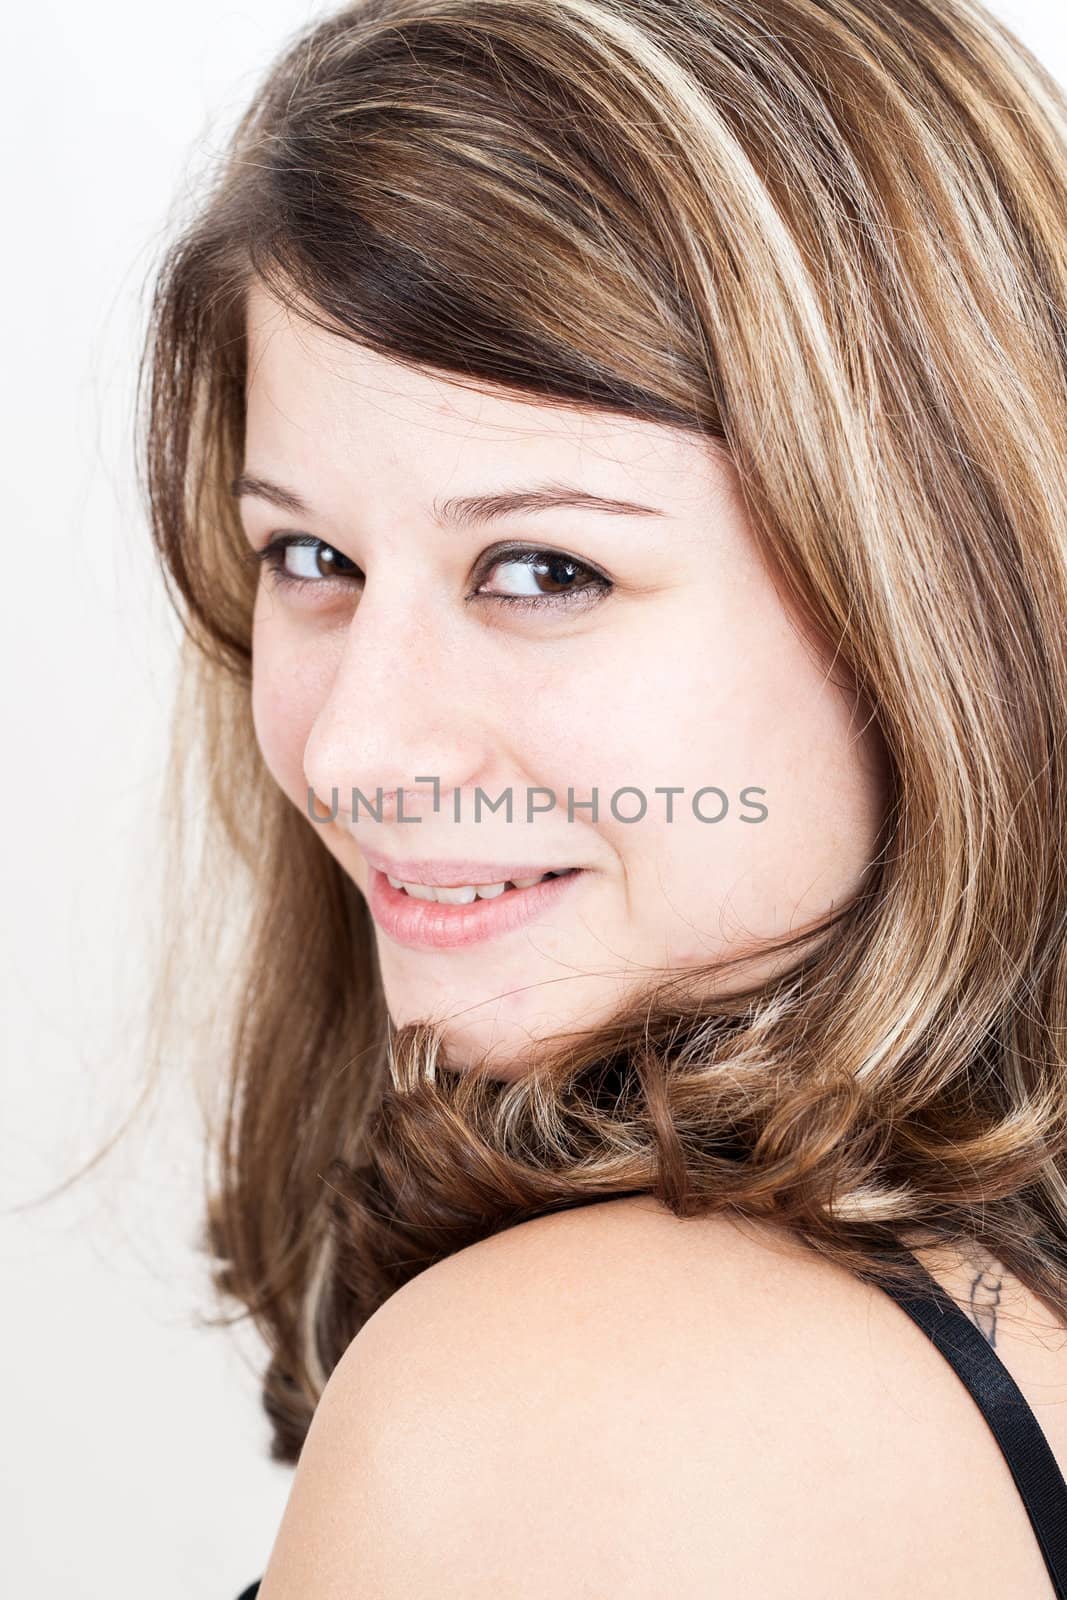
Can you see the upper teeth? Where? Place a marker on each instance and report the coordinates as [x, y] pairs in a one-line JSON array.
[[464, 894]]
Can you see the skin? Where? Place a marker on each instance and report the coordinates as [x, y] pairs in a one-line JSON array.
[[688, 671], [766, 1425]]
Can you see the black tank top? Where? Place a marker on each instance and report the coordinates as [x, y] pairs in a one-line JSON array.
[[1000, 1400]]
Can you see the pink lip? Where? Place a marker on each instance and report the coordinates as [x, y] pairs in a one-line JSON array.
[[430, 925], [451, 873]]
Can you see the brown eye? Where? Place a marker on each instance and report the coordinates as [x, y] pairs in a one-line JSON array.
[[300, 558], [544, 577]]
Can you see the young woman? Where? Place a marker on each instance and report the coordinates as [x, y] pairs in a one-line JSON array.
[[608, 457]]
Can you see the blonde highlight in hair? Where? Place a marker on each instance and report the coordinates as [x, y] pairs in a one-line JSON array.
[[830, 238]]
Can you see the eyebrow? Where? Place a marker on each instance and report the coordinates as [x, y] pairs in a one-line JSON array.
[[464, 511]]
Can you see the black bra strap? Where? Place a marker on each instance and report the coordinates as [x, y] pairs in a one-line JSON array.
[[1017, 1431]]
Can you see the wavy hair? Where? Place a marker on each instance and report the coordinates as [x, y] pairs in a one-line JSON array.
[[832, 236]]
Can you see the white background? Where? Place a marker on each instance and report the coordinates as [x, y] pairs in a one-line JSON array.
[[134, 1457]]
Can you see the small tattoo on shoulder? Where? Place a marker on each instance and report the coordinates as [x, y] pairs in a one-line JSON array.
[[985, 1298]]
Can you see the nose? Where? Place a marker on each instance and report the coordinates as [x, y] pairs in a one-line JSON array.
[[401, 711]]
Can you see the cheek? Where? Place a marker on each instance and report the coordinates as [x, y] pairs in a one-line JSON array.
[[727, 696], [286, 695], [282, 719]]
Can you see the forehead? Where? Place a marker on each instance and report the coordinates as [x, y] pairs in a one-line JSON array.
[[318, 403]]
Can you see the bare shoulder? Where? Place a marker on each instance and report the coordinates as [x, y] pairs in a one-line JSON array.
[[615, 1401]]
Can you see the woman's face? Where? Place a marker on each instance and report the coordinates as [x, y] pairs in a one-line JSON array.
[[552, 652]]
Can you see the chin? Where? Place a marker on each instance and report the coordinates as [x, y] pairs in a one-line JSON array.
[[505, 1050]]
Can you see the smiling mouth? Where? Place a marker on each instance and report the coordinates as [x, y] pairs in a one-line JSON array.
[[426, 920], [466, 894]]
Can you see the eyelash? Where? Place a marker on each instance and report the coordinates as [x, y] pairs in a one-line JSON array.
[[272, 557]]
